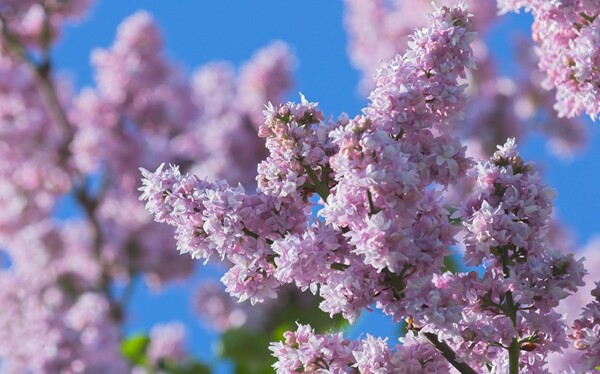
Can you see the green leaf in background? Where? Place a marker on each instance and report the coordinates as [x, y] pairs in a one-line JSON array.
[[133, 348], [249, 350], [189, 367]]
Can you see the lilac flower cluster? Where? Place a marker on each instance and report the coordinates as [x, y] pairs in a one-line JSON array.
[[568, 33], [383, 228], [60, 308], [305, 351], [214, 218], [266, 236], [378, 30], [36, 24], [53, 319], [506, 225], [587, 332]]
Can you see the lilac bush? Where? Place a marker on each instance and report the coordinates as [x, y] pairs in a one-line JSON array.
[[65, 294], [568, 33], [300, 209], [500, 104], [384, 227]]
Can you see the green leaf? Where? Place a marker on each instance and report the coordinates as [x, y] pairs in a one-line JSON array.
[[134, 348], [193, 368], [189, 367], [249, 350]]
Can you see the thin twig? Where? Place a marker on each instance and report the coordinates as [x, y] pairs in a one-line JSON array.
[[449, 354]]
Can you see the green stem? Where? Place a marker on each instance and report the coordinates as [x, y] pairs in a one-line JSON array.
[[250, 233], [510, 310], [514, 349], [513, 356], [372, 209], [339, 266], [321, 189], [589, 19]]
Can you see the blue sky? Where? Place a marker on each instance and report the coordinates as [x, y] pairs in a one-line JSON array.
[[196, 32]]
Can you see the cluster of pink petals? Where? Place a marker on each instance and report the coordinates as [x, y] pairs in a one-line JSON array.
[[215, 218], [587, 331], [221, 141], [305, 351], [568, 33], [378, 30], [293, 144], [36, 23], [506, 223], [88, 147], [53, 319], [265, 236], [383, 229]]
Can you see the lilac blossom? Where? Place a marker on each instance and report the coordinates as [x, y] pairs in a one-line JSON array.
[[62, 311], [305, 351], [53, 319], [587, 332], [567, 33], [506, 224], [167, 342], [378, 30], [383, 228], [214, 217]]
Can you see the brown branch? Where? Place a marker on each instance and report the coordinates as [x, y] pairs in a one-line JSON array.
[[89, 206], [43, 74], [48, 92], [449, 354]]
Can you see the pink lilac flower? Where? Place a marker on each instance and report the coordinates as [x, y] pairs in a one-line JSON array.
[[260, 234], [378, 30], [506, 225], [305, 351], [221, 142], [216, 218], [53, 320], [167, 342], [385, 229], [36, 23], [568, 35], [587, 332], [296, 139]]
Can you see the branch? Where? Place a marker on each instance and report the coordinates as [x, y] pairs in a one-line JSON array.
[[449, 354], [89, 205], [321, 189], [48, 92], [42, 72]]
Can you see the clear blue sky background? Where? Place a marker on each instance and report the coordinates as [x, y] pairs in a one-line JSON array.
[[196, 32]]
